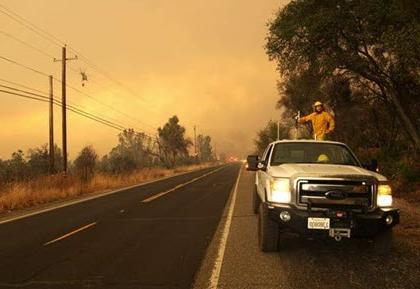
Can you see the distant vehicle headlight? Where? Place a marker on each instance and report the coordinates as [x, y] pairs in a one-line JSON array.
[[280, 191], [384, 198]]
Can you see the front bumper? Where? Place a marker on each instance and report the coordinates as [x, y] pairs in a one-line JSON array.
[[360, 224]]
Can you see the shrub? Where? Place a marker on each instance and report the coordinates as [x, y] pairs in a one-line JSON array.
[[85, 163]]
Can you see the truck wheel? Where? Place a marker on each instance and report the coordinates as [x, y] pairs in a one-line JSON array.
[[256, 201], [268, 231], [382, 243]]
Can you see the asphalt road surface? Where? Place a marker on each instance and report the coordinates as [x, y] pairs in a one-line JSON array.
[[196, 231], [153, 236]]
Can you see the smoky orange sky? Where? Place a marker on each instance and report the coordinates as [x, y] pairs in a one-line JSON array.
[[201, 60]]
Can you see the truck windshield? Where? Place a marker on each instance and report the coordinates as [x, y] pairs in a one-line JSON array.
[[312, 153]]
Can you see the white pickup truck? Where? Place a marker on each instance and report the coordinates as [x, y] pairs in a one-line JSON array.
[[319, 189]]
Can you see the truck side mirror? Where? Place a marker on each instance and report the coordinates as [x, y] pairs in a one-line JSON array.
[[262, 165], [252, 163], [372, 166]]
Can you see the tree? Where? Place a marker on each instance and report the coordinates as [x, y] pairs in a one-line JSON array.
[[300, 90], [372, 43], [13, 169], [172, 142], [2, 171], [85, 163], [131, 153], [269, 134], [38, 160], [205, 150]]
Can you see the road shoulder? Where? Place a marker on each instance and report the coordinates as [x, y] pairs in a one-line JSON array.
[[54, 205]]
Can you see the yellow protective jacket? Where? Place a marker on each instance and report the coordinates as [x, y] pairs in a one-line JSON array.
[[322, 123]]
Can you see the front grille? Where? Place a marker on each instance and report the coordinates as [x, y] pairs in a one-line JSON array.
[[356, 194]]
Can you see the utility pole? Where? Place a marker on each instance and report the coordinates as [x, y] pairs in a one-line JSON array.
[[64, 60], [52, 169], [278, 130]]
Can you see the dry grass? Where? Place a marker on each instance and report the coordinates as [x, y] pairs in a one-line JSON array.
[[51, 188], [409, 228]]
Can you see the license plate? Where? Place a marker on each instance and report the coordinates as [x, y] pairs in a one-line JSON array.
[[319, 223]]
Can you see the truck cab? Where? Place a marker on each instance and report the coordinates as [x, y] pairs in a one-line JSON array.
[[319, 189]]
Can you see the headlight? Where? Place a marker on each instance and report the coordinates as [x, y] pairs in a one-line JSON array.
[[280, 191], [384, 198]]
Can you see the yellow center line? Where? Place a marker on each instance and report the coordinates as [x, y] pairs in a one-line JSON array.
[[71, 233], [154, 197]]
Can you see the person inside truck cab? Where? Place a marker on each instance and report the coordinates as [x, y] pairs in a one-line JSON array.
[[322, 122]]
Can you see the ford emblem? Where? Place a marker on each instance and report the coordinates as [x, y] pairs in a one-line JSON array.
[[336, 195]]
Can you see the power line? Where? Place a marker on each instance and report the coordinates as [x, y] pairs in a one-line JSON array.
[[39, 91], [103, 72], [51, 38], [108, 106], [104, 104], [97, 119], [69, 107], [22, 85], [56, 41], [20, 90], [58, 103], [27, 24], [73, 88], [26, 96], [27, 44], [24, 66]]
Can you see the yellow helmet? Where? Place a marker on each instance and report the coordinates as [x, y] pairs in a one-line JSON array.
[[323, 158], [317, 103]]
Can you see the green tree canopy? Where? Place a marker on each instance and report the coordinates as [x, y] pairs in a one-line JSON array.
[[172, 142], [373, 44], [205, 149], [85, 163], [131, 153], [269, 134]]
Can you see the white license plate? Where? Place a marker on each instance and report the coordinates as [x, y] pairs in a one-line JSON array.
[[319, 223]]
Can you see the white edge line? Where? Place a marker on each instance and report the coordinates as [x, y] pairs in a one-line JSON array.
[[88, 198], [215, 274]]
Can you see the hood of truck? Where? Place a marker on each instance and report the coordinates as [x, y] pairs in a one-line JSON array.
[[322, 170]]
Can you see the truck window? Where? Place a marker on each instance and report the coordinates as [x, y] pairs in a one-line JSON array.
[[312, 153]]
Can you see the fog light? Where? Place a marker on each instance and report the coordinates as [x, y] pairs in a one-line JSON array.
[[389, 219], [285, 216]]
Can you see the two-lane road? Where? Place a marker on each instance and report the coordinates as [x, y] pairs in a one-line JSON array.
[[151, 236], [195, 230]]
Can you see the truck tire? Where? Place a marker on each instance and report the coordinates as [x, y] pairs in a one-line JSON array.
[[382, 243], [256, 201], [268, 231]]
